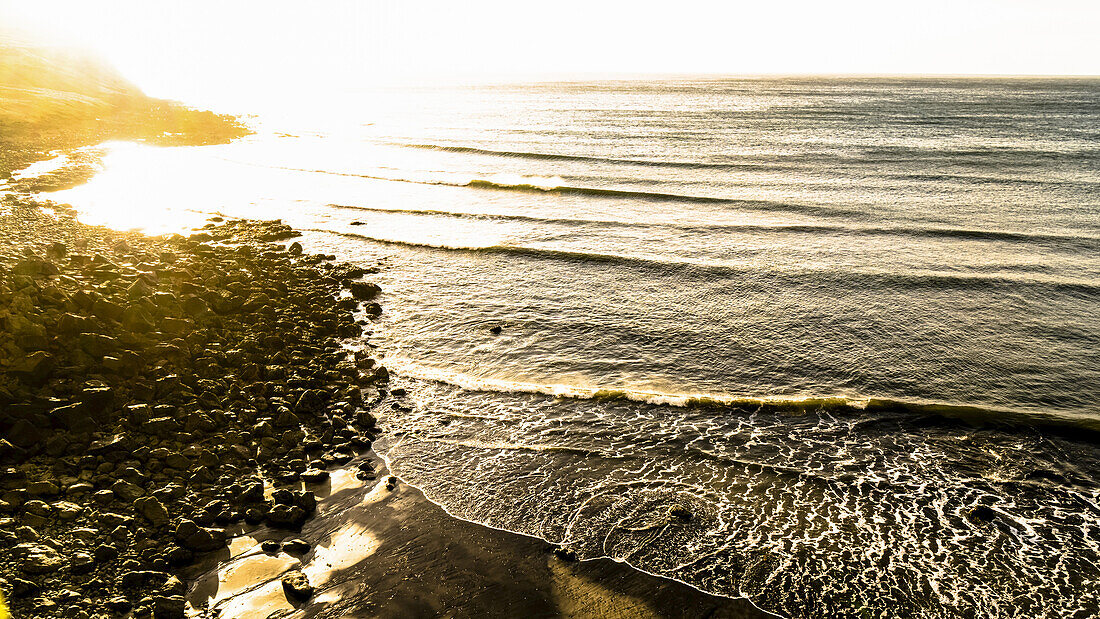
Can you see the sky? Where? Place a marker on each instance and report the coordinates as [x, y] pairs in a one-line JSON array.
[[226, 53]]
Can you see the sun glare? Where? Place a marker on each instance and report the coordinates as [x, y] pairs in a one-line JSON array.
[[241, 53]]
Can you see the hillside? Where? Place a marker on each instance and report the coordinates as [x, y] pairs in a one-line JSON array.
[[54, 98]]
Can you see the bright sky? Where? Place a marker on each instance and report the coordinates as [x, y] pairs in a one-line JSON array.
[[227, 52]]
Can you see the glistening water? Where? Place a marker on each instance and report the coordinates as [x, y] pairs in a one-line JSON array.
[[775, 338]]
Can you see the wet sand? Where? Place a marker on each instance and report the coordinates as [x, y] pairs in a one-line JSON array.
[[377, 552]]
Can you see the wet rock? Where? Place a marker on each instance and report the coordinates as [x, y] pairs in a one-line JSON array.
[[177, 556], [295, 249], [365, 419], [199, 539], [168, 606], [364, 291], [314, 476], [270, 546], [496, 330], [296, 547], [679, 513], [565, 553], [980, 514], [286, 516], [296, 586]]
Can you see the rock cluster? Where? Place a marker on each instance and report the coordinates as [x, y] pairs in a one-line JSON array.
[[154, 391]]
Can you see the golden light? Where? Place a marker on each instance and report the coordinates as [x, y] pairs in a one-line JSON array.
[[251, 54]]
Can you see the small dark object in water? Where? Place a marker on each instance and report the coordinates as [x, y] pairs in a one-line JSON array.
[[357, 223], [217, 219], [295, 249], [679, 514], [565, 554], [496, 330], [1045, 475], [391, 483], [981, 513], [398, 392]]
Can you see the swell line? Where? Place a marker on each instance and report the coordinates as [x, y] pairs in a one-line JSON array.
[[690, 165], [887, 281], [535, 187], [1057, 240], [770, 404]]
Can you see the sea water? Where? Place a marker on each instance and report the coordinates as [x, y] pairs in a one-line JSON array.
[[771, 337]]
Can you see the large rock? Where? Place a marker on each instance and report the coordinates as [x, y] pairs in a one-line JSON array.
[[296, 586], [42, 488], [152, 510], [287, 516], [38, 558], [74, 418], [34, 368], [311, 401], [97, 345], [199, 539], [127, 491], [160, 426], [34, 267], [364, 291]]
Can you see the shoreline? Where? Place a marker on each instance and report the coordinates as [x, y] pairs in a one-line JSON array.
[[383, 549], [42, 530]]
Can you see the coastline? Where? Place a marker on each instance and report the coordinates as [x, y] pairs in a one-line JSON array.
[[419, 542]]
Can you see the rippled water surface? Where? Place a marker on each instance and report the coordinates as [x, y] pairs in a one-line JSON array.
[[775, 338]]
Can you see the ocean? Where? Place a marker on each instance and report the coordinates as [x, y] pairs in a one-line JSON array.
[[775, 338]]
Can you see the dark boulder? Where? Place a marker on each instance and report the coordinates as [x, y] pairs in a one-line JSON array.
[[296, 586], [364, 291]]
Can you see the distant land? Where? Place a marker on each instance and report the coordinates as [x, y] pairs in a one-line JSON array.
[[55, 98]]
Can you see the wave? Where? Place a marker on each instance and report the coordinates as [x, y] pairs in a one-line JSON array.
[[889, 281], [919, 412], [691, 165], [1056, 240], [775, 164], [551, 185]]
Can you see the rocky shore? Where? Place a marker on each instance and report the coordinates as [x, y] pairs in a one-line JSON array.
[[156, 391]]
